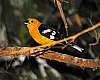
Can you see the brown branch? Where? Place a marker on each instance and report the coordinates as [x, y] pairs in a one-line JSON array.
[[83, 63], [51, 55]]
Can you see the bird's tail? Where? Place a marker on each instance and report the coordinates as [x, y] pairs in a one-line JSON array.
[[78, 48]]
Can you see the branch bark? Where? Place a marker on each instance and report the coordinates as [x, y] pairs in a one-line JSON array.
[[83, 63], [51, 55]]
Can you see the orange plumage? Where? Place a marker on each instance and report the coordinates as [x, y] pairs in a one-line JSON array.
[[33, 25]]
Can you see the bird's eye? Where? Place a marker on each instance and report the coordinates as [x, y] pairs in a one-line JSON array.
[[32, 21]]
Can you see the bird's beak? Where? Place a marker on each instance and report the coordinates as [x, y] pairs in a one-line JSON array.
[[26, 22]]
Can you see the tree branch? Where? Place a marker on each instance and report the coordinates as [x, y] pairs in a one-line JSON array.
[[51, 55], [83, 63]]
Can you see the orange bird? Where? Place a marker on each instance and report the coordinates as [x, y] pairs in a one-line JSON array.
[[43, 34]]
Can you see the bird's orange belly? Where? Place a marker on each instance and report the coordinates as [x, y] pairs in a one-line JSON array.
[[39, 38]]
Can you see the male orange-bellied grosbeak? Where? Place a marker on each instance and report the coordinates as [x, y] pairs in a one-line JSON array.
[[43, 34]]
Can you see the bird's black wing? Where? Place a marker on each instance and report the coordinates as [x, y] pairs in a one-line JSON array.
[[49, 32]]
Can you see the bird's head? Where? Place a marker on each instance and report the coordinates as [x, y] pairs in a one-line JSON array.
[[32, 23]]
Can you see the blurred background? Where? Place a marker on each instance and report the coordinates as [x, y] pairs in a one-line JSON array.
[[80, 14]]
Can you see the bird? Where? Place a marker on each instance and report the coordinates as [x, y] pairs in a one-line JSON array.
[[44, 34]]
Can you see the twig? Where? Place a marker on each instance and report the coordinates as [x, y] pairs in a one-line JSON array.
[[62, 15], [96, 36]]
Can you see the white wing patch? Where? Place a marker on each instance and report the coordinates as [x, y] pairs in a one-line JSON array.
[[50, 32], [54, 33], [52, 37], [46, 31]]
